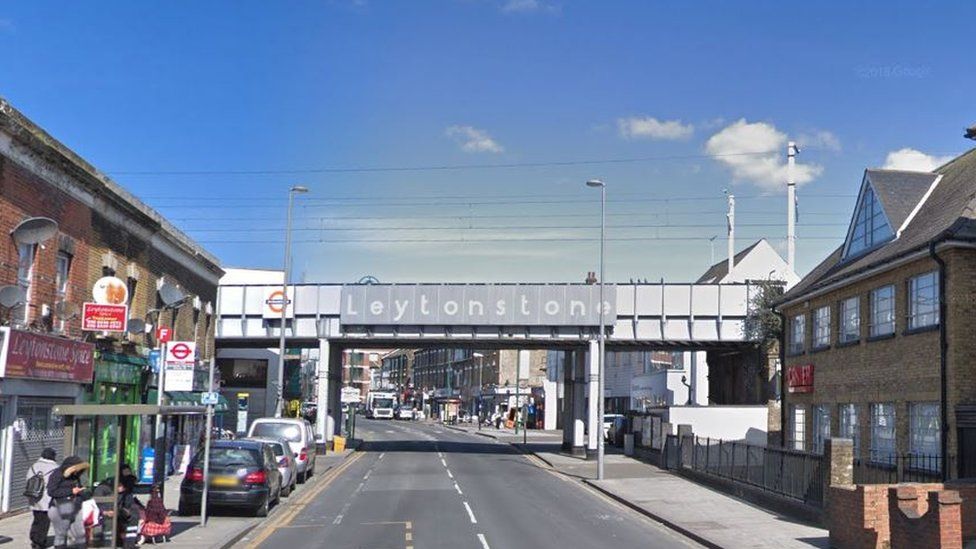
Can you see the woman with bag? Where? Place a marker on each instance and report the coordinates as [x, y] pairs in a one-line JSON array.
[[66, 492]]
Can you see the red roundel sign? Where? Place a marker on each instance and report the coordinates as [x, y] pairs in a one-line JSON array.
[[181, 352]]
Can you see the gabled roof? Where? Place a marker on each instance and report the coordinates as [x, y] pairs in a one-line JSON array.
[[949, 211], [718, 271], [899, 191]]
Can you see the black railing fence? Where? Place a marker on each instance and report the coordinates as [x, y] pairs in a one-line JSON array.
[[798, 475], [892, 469]]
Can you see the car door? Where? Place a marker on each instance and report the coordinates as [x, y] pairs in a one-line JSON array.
[[271, 470]]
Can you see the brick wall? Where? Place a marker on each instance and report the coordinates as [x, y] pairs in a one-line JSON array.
[[922, 517], [857, 516]]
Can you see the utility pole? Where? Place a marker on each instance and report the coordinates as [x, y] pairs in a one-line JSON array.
[[791, 152], [731, 228]]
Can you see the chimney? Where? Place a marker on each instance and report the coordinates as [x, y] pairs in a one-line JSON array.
[[971, 132], [590, 278]]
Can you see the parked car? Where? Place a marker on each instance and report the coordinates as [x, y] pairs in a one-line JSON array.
[[607, 422], [299, 435], [286, 463], [403, 412], [243, 473]]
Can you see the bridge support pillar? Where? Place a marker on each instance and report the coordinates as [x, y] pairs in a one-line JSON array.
[[579, 402], [593, 390], [323, 429], [567, 360]]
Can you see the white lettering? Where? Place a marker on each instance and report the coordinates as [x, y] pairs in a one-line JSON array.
[[376, 308], [577, 308], [525, 304], [552, 308], [401, 307], [423, 305], [471, 306], [451, 308], [349, 309], [500, 307]]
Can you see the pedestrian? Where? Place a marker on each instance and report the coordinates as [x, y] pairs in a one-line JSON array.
[[157, 523], [66, 492], [38, 498], [130, 512]]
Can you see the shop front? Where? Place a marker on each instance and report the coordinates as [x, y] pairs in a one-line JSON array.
[[119, 379]]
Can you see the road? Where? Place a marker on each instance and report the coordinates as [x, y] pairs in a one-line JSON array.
[[417, 485]]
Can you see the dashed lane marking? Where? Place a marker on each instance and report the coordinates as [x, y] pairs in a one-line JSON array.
[[458, 488], [484, 542], [470, 512], [449, 473]]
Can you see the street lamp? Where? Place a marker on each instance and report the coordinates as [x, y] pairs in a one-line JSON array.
[[284, 303], [596, 183]]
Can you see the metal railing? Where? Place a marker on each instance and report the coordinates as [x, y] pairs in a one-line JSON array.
[[798, 475], [894, 469]]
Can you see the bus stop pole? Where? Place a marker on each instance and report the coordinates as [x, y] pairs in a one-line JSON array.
[[159, 455], [206, 449]]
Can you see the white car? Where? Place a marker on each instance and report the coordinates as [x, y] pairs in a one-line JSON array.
[[298, 433], [607, 423]]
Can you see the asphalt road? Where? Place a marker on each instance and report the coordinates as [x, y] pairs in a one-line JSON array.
[[417, 485]]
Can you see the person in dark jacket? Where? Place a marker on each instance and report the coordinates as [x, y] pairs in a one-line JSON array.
[[41, 523], [66, 492], [130, 512]]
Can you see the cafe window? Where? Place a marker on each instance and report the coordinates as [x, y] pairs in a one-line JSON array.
[[798, 426], [923, 300], [850, 320], [821, 426], [883, 433], [821, 328], [849, 426], [883, 311], [243, 373], [797, 334], [924, 437]]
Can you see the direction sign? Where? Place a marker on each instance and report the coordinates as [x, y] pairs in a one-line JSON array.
[[209, 399]]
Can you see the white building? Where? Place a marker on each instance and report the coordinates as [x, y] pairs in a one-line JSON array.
[[760, 261]]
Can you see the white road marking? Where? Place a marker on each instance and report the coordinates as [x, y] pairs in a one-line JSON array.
[[444, 463], [358, 488], [440, 455], [338, 520], [449, 473], [366, 476], [484, 542], [470, 512], [381, 455], [458, 488]]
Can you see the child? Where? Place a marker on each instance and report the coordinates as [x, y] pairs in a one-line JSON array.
[[157, 522]]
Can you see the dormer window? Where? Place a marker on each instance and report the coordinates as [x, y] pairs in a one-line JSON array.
[[869, 227]]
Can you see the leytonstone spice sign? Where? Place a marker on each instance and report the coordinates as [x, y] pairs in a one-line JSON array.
[[477, 304], [38, 356]]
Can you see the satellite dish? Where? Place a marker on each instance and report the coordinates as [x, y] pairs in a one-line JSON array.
[[136, 326], [12, 296], [170, 294], [34, 230]]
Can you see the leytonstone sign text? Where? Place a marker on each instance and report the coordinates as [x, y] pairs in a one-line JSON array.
[[477, 304], [38, 356]]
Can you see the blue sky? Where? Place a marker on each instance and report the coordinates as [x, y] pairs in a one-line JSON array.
[[210, 112]]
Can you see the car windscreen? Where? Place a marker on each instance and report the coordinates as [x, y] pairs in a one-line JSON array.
[[233, 457], [287, 431], [383, 403]]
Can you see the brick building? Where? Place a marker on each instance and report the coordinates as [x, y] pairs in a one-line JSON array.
[[878, 337], [97, 229]]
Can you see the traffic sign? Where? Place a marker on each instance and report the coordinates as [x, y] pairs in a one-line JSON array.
[[163, 335], [154, 355], [209, 399], [181, 353]]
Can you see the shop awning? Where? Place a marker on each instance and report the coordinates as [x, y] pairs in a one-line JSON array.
[[189, 398]]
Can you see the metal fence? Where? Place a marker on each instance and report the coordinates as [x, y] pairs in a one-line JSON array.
[[898, 468], [798, 475]]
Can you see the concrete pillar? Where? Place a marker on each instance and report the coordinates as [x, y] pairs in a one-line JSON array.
[[593, 390], [686, 441], [322, 431], [579, 402], [568, 360], [552, 404]]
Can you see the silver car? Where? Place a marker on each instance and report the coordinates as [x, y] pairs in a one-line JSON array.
[[298, 433], [287, 465]]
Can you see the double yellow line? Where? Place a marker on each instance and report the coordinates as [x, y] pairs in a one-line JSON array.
[[296, 505]]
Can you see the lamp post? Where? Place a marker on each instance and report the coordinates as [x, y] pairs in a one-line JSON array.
[[481, 388], [596, 183], [284, 303]]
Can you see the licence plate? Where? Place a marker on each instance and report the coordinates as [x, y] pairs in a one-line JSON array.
[[224, 481]]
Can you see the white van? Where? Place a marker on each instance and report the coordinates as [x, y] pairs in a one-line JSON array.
[[299, 435]]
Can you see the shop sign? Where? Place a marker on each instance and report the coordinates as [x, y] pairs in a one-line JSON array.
[[799, 379], [38, 356], [110, 290], [96, 317]]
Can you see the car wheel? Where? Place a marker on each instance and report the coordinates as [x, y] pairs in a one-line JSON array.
[[286, 491], [294, 485], [262, 511], [310, 471], [301, 478]]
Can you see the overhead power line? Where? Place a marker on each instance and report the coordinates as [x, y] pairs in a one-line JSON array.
[[504, 227], [478, 240]]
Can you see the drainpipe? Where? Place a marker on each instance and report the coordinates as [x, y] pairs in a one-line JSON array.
[[782, 379], [943, 347]]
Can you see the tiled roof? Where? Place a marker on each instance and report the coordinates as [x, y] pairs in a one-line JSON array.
[[951, 209]]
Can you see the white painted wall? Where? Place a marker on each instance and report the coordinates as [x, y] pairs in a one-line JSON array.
[[738, 423], [251, 276], [761, 263]]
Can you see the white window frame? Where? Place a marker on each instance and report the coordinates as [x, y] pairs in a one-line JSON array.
[[884, 433], [849, 320], [798, 329], [923, 300], [925, 434], [798, 427], [821, 327], [821, 426], [848, 425], [882, 311]]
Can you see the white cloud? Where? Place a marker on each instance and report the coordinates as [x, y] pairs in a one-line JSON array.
[[820, 139], [646, 127], [756, 153], [473, 140], [528, 6], [913, 160]]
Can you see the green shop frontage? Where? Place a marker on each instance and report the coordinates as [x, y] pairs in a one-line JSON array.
[[119, 379]]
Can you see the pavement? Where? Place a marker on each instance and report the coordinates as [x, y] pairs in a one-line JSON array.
[[419, 484], [222, 530], [707, 516]]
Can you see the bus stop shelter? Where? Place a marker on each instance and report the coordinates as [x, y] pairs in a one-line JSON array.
[[79, 424]]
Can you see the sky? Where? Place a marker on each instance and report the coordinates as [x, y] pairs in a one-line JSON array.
[[450, 140]]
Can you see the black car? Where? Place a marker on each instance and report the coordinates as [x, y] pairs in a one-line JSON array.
[[243, 473]]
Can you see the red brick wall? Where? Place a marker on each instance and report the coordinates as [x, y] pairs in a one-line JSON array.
[[857, 516], [920, 517]]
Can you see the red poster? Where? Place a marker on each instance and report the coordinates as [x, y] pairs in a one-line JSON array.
[[39, 356], [799, 379], [104, 318]]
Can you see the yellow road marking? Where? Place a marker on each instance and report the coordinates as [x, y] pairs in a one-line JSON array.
[[286, 517]]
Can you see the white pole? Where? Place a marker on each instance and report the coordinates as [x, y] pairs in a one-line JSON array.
[[731, 227], [280, 389], [206, 450], [791, 151], [159, 457], [603, 226]]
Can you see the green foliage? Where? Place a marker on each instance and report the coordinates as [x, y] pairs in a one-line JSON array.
[[762, 324]]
